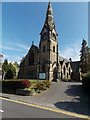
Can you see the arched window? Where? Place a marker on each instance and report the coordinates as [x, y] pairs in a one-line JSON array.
[[44, 48], [53, 48], [64, 70], [54, 36]]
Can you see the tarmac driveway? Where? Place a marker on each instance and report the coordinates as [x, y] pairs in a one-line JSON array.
[[68, 96]]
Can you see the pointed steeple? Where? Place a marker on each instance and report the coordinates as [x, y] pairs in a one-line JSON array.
[[49, 21], [49, 14]]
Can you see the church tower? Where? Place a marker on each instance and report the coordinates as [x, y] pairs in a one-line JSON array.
[[48, 47]]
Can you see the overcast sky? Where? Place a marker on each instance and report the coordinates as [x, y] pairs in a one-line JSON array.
[[22, 23]]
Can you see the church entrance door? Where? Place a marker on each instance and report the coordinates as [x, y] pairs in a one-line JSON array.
[[55, 74]]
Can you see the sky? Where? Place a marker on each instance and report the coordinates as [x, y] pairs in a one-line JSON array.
[[22, 23], [89, 24]]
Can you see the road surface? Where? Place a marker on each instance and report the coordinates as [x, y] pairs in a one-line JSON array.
[[16, 110]]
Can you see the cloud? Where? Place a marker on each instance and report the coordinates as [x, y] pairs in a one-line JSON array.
[[22, 46], [10, 48], [72, 51], [16, 58], [16, 47], [12, 58]]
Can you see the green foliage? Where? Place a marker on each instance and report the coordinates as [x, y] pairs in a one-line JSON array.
[[11, 67], [86, 81], [75, 76], [5, 66], [16, 84], [85, 57], [8, 90], [89, 60], [87, 76], [9, 74], [9, 70], [64, 79], [40, 86], [16, 64], [11, 86], [47, 83]]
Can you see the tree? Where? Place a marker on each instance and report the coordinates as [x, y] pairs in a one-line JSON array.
[[89, 59], [16, 64], [9, 70], [84, 57], [5, 66], [11, 67], [9, 74]]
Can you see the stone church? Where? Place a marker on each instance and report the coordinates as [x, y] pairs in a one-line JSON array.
[[44, 60]]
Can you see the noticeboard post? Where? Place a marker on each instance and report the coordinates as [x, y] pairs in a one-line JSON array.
[[42, 76]]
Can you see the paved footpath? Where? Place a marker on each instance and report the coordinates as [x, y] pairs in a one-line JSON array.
[[67, 96]]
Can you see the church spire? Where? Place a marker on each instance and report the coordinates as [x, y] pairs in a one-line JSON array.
[[49, 14], [49, 17], [49, 24]]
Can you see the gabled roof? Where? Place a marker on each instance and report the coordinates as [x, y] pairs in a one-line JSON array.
[[35, 47], [75, 65], [62, 59]]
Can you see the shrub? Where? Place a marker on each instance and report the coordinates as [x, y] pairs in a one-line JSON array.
[[86, 81], [25, 84], [40, 86], [47, 83], [75, 76], [16, 84], [9, 70], [11, 84], [64, 79], [9, 74]]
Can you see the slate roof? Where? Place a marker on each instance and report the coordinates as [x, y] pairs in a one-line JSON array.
[[75, 66], [62, 59], [35, 47]]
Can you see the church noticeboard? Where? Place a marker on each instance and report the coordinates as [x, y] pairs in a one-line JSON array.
[[0, 77], [42, 76]]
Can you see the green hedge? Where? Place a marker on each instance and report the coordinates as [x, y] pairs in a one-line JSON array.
[[16, 84], [11, 84], [86, 81]]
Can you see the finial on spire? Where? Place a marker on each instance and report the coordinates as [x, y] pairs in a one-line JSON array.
[[49, 3], [32, 42], [49, 21], [49, 14], [49, 7]]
